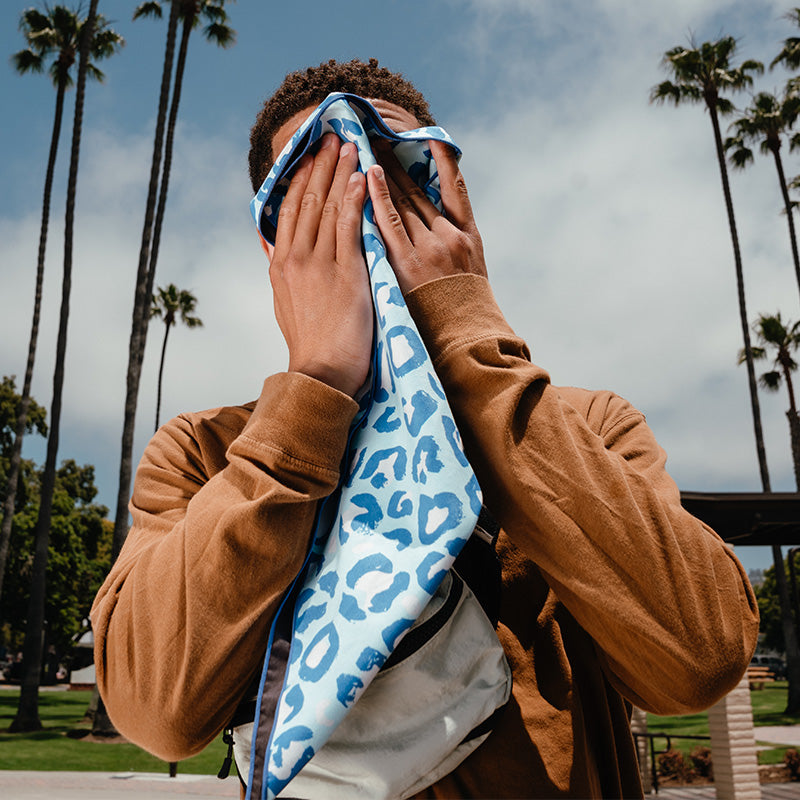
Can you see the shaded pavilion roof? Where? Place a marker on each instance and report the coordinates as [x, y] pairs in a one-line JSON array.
[[748, 518]]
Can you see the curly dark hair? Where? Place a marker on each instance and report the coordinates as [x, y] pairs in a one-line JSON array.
[[311, 86]]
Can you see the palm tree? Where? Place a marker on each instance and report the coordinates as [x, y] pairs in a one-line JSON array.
[[216, 31], [789, 55], [189, 11], [27, 717], [136, 344], [771, 332], [767, 121], [51, 36], [171, 304], [700, 75]]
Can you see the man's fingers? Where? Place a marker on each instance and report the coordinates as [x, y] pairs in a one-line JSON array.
[[413, 221], [290, 208], [451, 183], [316, 193], [348, 224], [386, 215], [407, 197], [347, 164]]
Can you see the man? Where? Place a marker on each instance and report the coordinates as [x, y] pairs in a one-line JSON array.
[[612, 593]]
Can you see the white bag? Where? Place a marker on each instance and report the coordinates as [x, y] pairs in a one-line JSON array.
[[429, 707]]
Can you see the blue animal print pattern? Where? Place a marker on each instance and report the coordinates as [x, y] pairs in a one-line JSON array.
[[408, 499]]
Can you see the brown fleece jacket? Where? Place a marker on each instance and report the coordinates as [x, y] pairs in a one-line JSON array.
[[612, 593]]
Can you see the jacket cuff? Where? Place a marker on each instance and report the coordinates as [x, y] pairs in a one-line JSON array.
[[304, 418], [455, 310]]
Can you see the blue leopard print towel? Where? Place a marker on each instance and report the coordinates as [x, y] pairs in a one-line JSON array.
[[407, 502]]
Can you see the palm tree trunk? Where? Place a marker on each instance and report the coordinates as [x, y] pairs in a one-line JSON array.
[[787, 204], [22, 418], [142, 300], [162, 195], [27, 717], [748, 350], [787, 622], [161, 372], [794, 424], [794, 437]]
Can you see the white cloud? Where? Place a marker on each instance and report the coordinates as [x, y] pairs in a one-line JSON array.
[[608, 243], [208, 247], [602, 217]]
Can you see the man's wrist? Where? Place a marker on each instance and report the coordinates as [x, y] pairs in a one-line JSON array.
[[341, 381], [453, 309], [308, 419]]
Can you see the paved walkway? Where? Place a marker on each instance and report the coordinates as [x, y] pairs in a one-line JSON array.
[[17, 785], [779, 734], [769, 791]]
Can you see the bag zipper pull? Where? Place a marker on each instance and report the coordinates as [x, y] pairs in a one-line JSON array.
[[227, 738]]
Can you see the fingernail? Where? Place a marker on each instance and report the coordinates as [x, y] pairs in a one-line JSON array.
[[328, 140], [353, 183], [378, 171], [346, 149]]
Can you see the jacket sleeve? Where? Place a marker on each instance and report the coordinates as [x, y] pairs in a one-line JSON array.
[[181, 622], [665, 600]]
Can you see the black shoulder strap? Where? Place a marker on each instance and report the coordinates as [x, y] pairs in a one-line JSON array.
[[479, 566]]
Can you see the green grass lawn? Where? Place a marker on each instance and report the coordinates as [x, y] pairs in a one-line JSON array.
[[52, 749], [768, 709], [62, 712]]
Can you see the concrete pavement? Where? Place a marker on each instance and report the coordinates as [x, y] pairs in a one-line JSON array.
[[779, 734], [19, 785]]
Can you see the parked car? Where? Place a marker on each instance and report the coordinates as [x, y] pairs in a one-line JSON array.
[[775, 664]]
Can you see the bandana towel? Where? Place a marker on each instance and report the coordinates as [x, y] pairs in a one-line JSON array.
[[407, 502]]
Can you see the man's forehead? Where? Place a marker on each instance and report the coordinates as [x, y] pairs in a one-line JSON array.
[[396, 117]]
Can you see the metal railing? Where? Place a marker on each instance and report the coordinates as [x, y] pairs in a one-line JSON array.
[[653, 752]]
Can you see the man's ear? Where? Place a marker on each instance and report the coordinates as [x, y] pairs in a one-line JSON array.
[[268, 249]]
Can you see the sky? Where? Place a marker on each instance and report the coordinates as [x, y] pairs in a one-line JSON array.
[[602, 215]]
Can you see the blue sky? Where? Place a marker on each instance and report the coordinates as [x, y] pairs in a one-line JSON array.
[[602, 215]]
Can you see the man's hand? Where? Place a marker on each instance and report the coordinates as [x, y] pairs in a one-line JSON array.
[[423, 244], [318, 273]]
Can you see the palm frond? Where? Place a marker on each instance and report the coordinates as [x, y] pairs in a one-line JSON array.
[[148, 9], [221, 35], [666, 91], [58, 74], [741, 356], [32, 20], [771, 330], [214, 12], [789, 55], [94, 73], [751, 65], [757, 353], [741, 155], [771, 381], [27, 61], [725, 106], [106, 42]]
